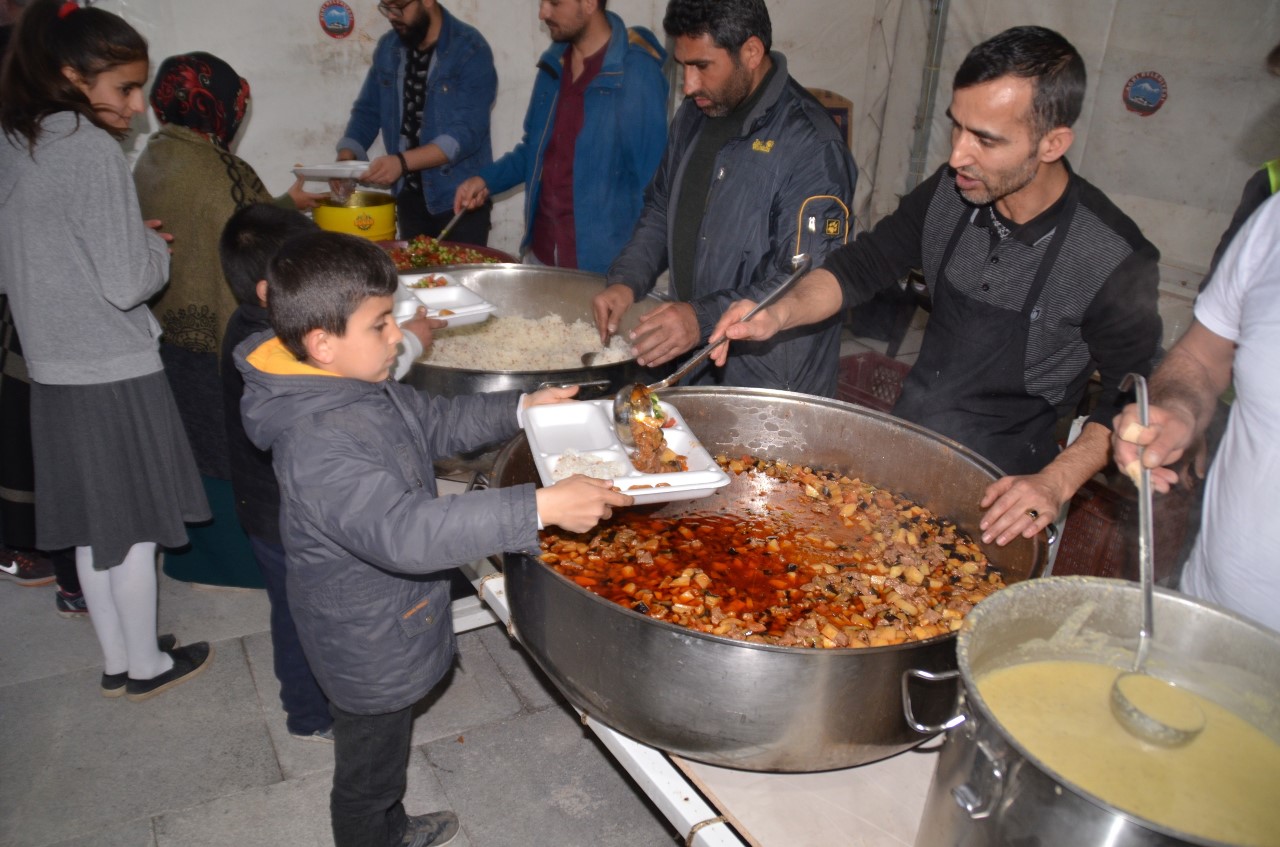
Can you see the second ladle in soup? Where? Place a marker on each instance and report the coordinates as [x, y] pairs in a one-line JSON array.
[[637, 402]]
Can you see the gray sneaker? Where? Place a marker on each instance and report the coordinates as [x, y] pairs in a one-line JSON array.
[[430, 830]]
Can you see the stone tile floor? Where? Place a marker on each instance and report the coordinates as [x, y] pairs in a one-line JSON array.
[[210, 764]]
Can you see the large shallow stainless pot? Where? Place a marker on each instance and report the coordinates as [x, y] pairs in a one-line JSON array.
[[534, 291], [988, 791], [732, 703]]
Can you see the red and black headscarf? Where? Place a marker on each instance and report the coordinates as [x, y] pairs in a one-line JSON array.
[[202, 93]]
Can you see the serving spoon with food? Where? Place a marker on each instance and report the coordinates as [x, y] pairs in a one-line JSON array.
[[640, 403], [1148, 707]]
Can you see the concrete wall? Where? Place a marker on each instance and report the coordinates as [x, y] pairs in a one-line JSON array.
[[1177, 172]]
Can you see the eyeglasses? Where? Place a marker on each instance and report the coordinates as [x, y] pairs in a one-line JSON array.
[[394, 10]]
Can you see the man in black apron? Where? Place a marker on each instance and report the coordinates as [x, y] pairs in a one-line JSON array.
[[1037, 281]]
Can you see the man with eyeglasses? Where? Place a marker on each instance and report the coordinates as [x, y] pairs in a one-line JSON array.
[[428, 93], [594, 132]]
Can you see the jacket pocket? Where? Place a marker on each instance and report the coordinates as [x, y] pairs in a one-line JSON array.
[[422, 615]]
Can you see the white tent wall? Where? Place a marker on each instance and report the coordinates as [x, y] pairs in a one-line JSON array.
[[1177, 172]]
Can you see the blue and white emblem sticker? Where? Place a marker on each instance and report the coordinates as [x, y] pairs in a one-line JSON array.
[[337, 19], [1145, 93]]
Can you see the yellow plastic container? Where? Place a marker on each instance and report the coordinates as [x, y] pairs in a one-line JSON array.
[[368, 214]]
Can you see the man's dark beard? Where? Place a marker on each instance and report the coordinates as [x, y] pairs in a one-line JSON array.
[[413, 34]]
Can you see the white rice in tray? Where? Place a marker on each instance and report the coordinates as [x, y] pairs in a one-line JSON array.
[[522, 344], [572, 462]]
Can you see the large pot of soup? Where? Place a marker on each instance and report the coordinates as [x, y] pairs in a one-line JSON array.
[[1039, 758], [736, 703], [541, 328]]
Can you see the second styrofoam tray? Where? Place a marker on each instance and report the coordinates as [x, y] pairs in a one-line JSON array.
[[466, 306], [586, 428]]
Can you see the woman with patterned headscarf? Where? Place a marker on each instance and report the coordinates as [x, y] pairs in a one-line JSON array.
[[188, 177]]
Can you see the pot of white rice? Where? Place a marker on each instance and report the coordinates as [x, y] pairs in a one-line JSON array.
[[536, 336]]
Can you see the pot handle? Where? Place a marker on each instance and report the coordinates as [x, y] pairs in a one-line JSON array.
[[909, 714], [981, 792]]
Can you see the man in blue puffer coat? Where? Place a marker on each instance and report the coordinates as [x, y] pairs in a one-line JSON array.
[[594, 132]]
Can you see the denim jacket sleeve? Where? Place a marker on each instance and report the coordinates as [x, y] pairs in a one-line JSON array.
[[515, 167], [366, 112], [461, 125]]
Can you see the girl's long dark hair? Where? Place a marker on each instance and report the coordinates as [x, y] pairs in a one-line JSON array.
[[50, 36]]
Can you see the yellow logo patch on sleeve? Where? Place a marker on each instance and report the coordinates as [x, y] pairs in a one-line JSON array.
[[833, 226], [762, 146]]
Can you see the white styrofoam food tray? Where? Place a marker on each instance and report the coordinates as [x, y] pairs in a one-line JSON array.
[[466, 306], [408, 280], [585, 430], [332, 170]]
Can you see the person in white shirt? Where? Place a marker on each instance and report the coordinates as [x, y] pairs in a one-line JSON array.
[[1235, 338]]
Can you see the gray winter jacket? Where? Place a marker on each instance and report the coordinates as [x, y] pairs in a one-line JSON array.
[[363, 528], [785, 186], [76, 259]]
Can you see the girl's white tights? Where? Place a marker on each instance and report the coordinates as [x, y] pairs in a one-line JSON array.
[[122, 606]]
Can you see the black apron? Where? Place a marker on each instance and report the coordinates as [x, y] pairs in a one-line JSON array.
[[969, 381]]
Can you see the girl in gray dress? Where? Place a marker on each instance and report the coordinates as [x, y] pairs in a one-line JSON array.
[[114, 472]]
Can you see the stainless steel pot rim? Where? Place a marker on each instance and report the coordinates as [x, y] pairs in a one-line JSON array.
[[972, 694]]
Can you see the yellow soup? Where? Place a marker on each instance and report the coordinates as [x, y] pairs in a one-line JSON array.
[[1224, 785]]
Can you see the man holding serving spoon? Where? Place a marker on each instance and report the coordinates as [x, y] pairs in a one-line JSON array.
[[1037, 281], [755, 172]]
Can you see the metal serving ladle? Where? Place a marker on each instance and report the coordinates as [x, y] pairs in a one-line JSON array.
[[1180, 719], [634, 401]]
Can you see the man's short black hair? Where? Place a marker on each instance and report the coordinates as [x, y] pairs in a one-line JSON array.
[[318, 279], [1040, 55], [250, 238], [729, 22]]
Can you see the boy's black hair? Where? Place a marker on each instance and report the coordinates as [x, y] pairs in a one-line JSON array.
[[729, 22], [1041, 55], [248, 241], [250, 238], [318, 279]]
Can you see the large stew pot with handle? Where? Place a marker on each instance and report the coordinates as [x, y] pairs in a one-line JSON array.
[[534, 291], [734, 703], [989, 791]]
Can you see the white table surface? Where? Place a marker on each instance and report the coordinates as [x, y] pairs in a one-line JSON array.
[[875, 805]]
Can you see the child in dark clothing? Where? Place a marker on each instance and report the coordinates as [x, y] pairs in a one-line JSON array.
[[249, 240], [365, 533]]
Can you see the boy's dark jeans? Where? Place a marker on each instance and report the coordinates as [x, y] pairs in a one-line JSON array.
[[370, 772], [305, 706]]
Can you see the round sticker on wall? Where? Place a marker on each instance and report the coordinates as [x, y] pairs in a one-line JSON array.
[[1145, 93], [337, 19]]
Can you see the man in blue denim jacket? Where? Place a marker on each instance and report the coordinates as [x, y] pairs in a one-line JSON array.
[[429, 94], [593, 134]]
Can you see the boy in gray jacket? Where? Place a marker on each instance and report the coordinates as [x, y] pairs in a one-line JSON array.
[[364, 531]]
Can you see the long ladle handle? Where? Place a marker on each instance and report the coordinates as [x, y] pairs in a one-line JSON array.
[[448, 228], [800, 264], [1146, 529]]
